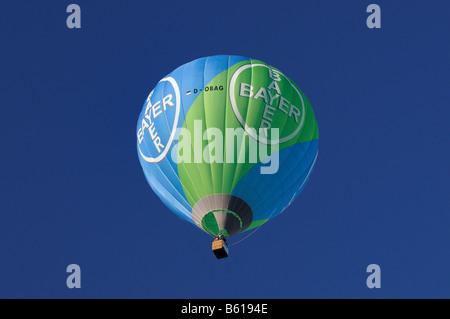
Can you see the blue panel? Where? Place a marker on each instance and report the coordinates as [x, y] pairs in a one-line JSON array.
[[269, 194]]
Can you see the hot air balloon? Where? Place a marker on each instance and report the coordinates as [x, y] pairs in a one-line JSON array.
[[227, 143]]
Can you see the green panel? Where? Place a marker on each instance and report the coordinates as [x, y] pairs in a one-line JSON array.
[[256, 223], [210, 225], [214, 110]]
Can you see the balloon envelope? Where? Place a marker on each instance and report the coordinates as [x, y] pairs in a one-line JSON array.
[[227, 142]]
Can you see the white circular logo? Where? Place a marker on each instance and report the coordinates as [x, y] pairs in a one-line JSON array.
[[148, 124], [264, 95]]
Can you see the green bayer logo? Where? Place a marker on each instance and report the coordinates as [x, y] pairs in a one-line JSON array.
[[263, 98]]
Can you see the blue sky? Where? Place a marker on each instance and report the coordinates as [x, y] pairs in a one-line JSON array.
[[72, 189]]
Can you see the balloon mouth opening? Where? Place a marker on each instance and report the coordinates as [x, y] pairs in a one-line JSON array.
[[222, 214], [211, 225]]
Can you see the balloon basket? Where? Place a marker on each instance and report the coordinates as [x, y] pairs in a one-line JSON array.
[[220, 248]]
